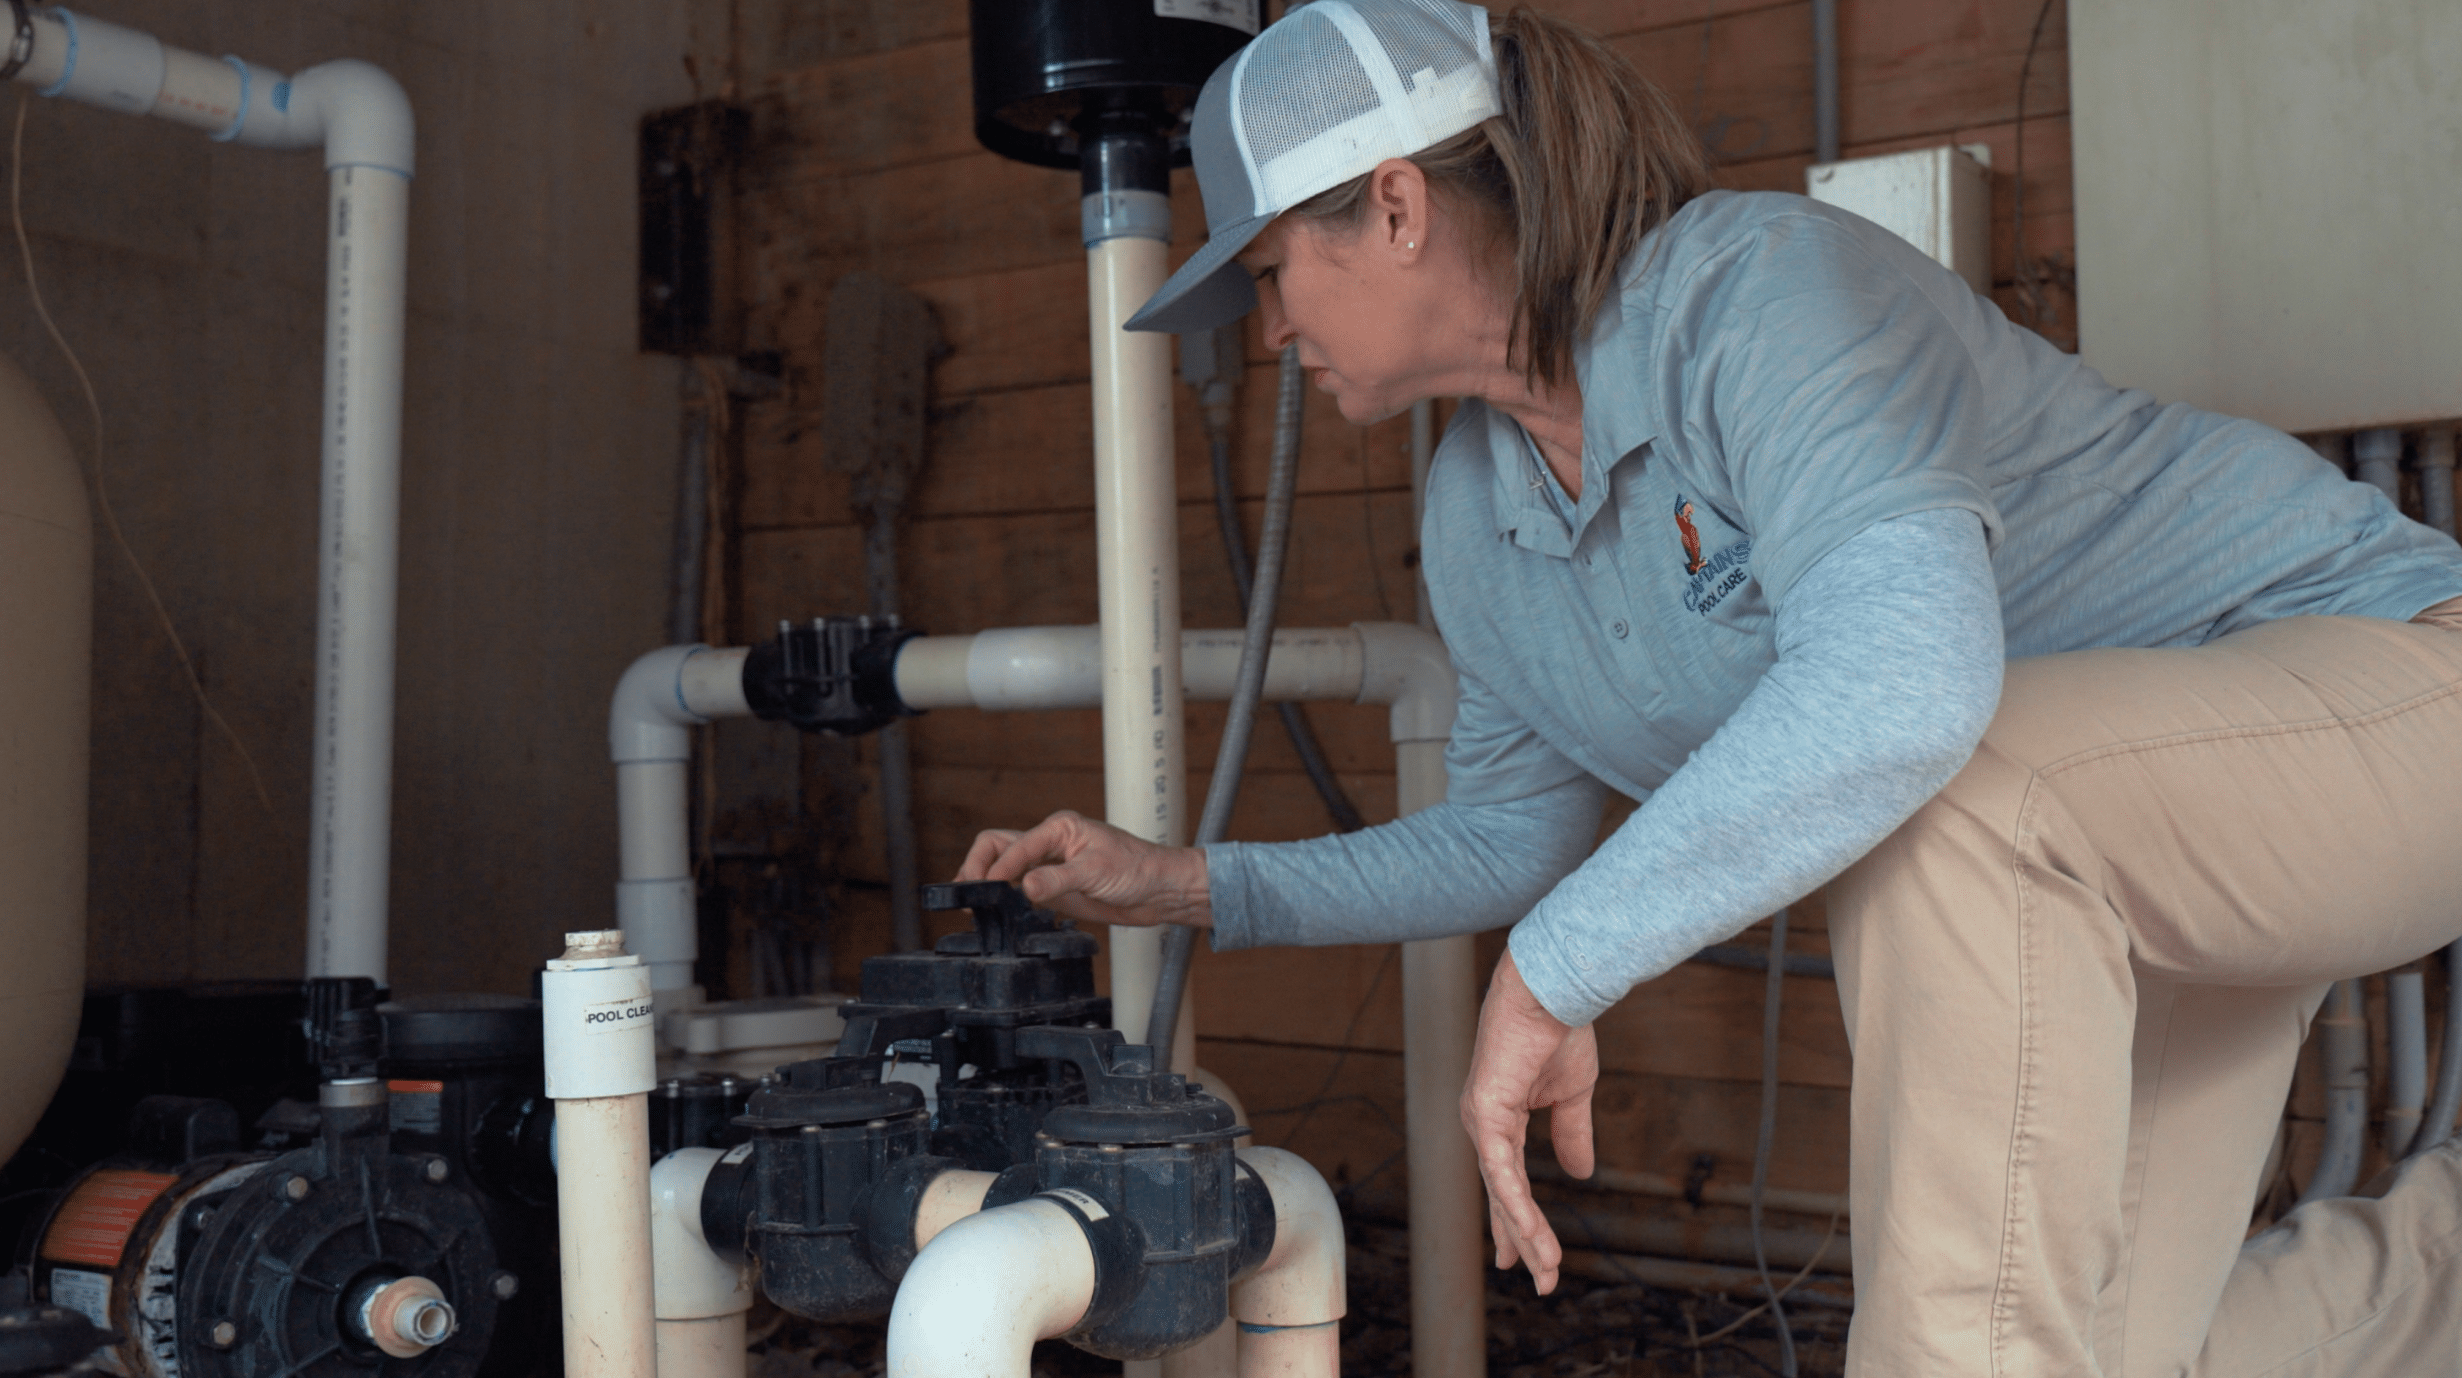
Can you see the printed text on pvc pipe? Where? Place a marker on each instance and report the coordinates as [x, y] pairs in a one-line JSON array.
[[614, 1016]]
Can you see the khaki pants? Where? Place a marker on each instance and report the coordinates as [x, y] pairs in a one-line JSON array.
[[2076, 983]]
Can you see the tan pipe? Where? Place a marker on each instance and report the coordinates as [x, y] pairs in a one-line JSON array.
[[46, 620], [601, 1062], [1137, 562]]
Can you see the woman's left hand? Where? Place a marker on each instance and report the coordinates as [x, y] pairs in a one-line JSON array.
[[1526, 1060]]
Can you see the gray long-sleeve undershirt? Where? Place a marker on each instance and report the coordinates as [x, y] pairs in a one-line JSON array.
[[1888, 671]]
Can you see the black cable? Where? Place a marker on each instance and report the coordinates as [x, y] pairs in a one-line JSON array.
[[1295, 725]]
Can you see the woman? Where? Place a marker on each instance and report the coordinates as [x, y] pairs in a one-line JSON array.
[[1749, 508]]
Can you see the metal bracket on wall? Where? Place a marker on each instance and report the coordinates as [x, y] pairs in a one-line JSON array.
[[688, 155]]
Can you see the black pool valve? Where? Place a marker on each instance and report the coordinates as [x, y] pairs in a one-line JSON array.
[[1146, 1165], [961, 1008], [796, 1197]]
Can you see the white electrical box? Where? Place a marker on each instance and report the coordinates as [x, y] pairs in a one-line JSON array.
[[1937, 199], [2269, 199]]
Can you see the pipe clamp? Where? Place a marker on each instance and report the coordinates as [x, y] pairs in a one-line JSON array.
[[1125, 215]]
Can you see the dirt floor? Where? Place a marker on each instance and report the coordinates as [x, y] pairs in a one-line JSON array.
[[1584, 1330]]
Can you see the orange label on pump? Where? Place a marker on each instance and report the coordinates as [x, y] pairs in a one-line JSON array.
[[94, 1223], [415, 1088]]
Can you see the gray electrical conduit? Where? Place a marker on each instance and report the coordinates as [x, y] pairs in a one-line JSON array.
[[2436, 468], [1338, 805], [2437, 1126], [1248, 689]]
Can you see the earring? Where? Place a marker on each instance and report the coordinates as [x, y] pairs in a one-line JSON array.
[[1412, 245]]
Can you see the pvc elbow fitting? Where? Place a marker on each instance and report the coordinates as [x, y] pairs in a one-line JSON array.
[[361, 111], [692, 1281], [1407, 666], [667, 692], [1301, 1280], [991, 1285]]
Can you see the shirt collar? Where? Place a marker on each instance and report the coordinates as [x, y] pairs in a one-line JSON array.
[[1619, 415]]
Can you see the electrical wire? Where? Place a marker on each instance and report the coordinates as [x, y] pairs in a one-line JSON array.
[[1295, 724], [1248, 689], [1773, 998], [94, 466]]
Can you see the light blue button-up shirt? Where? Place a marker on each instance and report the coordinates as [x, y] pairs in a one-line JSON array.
[[1778, 381], [1778, 375]]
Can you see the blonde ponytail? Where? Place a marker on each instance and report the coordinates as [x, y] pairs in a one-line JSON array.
[[1587, 158]]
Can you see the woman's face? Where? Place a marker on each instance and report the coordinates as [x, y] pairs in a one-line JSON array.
[[1321, 287], [1386, 310]]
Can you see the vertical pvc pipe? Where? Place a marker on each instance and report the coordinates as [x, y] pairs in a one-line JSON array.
[[350, 827], [601, 1064], [1448, 1215], [1137, 559], [2436, 478], [2376, 458], [1825, 122]]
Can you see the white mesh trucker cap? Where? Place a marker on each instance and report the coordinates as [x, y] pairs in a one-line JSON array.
[[1322, 96]]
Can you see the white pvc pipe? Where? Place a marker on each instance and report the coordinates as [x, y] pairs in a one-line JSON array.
[[601, 1063], [1016, 669], [1440, 1022], [363, 120], [701, 1298], [660, 699], [1137, 571], [1289, 1310], [980, 1295], [350, 826]]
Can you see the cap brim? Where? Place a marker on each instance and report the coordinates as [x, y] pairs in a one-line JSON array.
[[1209, 290]]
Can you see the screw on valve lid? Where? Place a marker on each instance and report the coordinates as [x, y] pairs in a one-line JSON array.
[[1127, 1100], [830, 1091]]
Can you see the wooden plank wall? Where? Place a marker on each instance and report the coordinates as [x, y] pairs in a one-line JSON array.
[[864, 158]]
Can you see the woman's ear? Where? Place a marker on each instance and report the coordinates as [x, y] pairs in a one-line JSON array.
[[1398, 206]]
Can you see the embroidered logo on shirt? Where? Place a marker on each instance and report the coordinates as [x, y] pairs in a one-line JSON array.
[[1718, 576], [1691, 534]]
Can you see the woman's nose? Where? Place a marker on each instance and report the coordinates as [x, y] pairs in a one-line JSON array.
[[1276, 326]]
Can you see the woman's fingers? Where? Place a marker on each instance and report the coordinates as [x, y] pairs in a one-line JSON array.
[[1524, 1059], [1571, 1078], [1054, 839], [988, 845]]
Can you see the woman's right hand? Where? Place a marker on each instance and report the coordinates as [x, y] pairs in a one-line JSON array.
[[1094, 872]]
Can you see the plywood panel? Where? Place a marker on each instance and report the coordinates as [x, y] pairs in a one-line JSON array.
[[1031, 450]]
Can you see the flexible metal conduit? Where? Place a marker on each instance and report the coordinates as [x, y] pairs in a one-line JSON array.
[[363, 121], [1248, 684]]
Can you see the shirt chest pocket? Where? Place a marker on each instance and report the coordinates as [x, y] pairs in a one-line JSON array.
[[1687, 573]]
